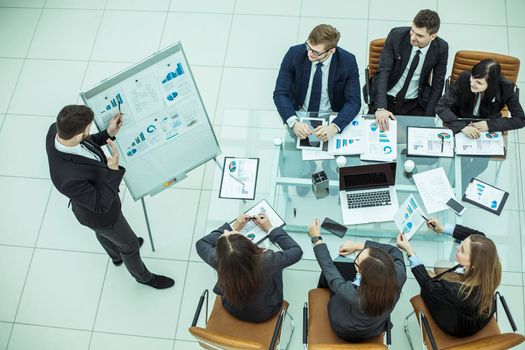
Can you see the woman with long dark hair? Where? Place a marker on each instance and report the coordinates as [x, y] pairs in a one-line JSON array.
[[363, 294], [460, 299], [481, 94], [250, 280]]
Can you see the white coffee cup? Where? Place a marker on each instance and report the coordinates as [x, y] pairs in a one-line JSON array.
[[409, 166], [341, 161]]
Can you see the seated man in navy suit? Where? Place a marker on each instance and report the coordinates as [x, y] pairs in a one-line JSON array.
[[318, 76]]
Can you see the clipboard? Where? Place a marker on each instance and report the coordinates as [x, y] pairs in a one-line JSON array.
[[261, 237], [494, 203], [234, 186], [441, 135]]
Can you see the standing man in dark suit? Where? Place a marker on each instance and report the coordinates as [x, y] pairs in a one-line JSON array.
[[411, 72], [318, 76], [80, 171]]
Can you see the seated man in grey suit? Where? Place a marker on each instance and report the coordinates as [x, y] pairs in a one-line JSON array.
[[411, 72]]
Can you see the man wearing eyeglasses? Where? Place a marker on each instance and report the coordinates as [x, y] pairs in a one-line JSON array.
[[318, 76], [411, 72]]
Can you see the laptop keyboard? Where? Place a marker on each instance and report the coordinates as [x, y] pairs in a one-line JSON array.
[[368, 199]]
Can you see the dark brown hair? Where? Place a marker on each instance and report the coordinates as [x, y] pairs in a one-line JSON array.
[[73, 120], [484, 273], [378, 288], [324, 34], [239, 268], [428, 19]]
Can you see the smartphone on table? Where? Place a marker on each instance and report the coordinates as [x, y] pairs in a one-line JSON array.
[[334, 227], [456, 207]]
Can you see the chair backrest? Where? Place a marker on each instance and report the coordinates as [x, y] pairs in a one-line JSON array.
[[489, 338], [464, 60], [220, 341], [374, 51], [320, 333], [224, 331]]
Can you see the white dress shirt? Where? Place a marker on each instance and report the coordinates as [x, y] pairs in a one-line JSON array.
[[324, 106], [414, 83], [79, 150]]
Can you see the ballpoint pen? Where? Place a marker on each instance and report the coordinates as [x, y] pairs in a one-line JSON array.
[[236, 179], [431, 224]]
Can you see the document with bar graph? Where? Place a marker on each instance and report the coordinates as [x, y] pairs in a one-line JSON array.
[[380, 145], [488, 144], [349, 141]]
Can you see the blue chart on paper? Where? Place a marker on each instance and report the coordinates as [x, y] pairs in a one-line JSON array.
[[172, 96], [172, 75], [114, 102], [138, 140]]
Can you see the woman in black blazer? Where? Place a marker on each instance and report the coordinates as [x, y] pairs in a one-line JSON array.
[[460, 299], [363, 293], [481, 93], [250, 279]]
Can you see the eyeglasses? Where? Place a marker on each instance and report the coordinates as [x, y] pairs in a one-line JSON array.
[[316, 53]]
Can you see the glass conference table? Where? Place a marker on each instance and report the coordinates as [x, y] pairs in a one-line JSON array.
[[292, 197]]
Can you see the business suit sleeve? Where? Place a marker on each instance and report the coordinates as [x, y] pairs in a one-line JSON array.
[[434, 286], [386, 63], [291, 251], [206, 245], [447, 106], [98, 199], [352, 94], [513, 104], [462, 232], [438, 81], [282, 95], [397, 255], [101, 137], [345, 289]]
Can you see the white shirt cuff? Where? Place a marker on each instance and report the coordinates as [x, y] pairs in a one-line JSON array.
[[291, 121]]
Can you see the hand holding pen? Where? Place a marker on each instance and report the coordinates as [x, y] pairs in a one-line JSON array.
[[434, 225], [263, 222]]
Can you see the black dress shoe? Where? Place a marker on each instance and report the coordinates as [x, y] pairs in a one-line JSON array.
[[119, 262], [159, 282]]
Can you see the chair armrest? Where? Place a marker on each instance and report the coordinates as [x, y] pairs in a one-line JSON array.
[[277, 329], [366, 88], [305, 323], [199, 308], [447, 84], [388, 332], [425, 324], [507, 311]]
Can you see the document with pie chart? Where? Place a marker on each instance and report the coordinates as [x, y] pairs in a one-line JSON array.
[[380, 145], [239, 178], [408, 218]]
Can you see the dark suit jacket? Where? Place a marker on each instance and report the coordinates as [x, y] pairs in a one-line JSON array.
[[343, 84], [453, 314], [393, 61], [347, 319], [268, 301], [453, 106], [90, 185]]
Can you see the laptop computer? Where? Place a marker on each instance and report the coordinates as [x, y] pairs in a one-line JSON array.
[[367, 193]]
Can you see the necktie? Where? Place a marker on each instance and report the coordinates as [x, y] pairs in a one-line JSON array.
[[402, 93], [315, 93], [93, 149]]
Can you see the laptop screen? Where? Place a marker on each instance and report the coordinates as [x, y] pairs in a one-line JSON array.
[[367, 176]]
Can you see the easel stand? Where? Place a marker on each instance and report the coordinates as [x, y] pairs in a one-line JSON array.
[[147, 224]]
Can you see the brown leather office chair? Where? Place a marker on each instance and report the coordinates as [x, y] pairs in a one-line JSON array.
[[374, 52], [317, 332], [489, 338], [223, 331]]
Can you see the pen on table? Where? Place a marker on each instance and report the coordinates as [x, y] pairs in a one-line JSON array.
[[118, 103], [429, 223], [442, 143], [236, 179]]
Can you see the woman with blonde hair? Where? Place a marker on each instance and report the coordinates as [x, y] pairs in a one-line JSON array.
[[460, 299]]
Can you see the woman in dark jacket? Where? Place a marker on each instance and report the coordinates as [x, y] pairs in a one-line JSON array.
[[360, 305], [460, 299], [481, 94], [250, 280]]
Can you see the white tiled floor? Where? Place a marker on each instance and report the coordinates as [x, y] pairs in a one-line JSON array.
[[58, 288]]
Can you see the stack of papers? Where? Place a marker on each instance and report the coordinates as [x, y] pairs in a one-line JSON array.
[[434, 188], [488, 144], [363, 136]]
